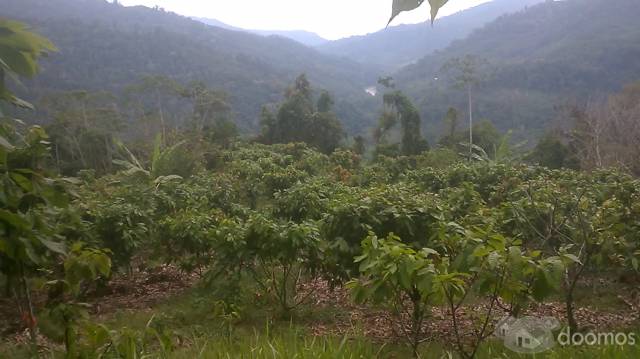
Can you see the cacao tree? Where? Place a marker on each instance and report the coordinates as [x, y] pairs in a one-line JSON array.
[[405, 280]]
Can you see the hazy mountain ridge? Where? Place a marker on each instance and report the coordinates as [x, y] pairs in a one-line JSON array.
[[304, 37], [401, 45]]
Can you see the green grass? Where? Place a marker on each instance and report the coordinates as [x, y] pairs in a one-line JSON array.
[[602, 296], [293, 343], [497, 350], [262, 333], [258, 335], [10, 352], [286, 343]]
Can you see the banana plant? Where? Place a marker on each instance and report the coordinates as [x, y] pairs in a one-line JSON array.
[[503, 151], [165, 164]]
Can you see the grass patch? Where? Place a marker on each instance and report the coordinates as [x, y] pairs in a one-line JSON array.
[[294, 343], [289, 342], [260, 333]]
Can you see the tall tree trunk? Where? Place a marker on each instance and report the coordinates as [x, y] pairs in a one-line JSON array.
[[31, 320], [162, 123], [470, 123], [416, 330], [571, 317]]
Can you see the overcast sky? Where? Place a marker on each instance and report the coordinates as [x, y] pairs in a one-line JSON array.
[[332, 19]]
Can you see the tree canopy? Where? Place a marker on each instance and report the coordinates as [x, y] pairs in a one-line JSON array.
[[299, 119]]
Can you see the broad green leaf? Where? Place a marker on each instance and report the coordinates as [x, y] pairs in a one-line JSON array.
[[166, 179], [103, 264], [408, 5], [403, 5], [20, 50], [481, 251], [428, 252], [6, 144], [19, 62], [14, 220], [55, 247], [4, 246], [435, 8], [485, 285], [29, 251], [77, 246], [515, 255], [572, 258], [497, 242], [543, 285], [22, 181], [405, 277], [21, 103], [493, 260], [36, 134], [71, 180], [18, 36]]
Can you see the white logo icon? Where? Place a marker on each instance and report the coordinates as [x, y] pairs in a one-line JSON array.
[[527, 335]]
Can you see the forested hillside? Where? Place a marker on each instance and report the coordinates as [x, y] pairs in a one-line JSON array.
[[401, 45], [533, 61], [105, 46]]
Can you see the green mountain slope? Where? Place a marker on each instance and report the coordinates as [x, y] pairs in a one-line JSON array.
[[540, 58], [106, 47]]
